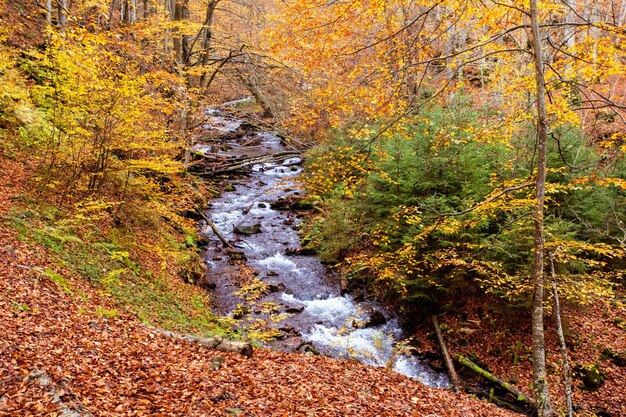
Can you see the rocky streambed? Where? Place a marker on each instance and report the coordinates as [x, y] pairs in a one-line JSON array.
[[298, 296]]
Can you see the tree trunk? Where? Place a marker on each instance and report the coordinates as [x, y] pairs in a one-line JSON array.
[[208, 221], [49, 12], [622, 16], [169, 10], [542, 394], [206, 41], [133, 12], [181, 42], [569, 32], [62, 13], [123, 10], [111, 12], [454, 378], [559, 328], [176, 39]]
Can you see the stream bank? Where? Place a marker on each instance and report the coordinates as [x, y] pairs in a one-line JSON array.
[[256, 215]]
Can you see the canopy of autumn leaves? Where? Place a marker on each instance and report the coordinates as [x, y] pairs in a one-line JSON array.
[[366, 61]]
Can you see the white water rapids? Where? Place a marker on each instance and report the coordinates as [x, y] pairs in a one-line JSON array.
[[332, 322]]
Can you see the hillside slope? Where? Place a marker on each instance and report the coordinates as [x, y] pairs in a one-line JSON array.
[[108, 361]]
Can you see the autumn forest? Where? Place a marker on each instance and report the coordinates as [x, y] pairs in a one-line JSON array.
[[313, 208]]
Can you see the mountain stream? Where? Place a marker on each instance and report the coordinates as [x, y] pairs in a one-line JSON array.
[[316, 312]]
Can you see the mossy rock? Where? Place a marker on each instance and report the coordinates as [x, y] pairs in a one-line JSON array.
[[240, 312], [618, 358], [591, 376], [193, 270], [620, 323], [236, 255], [248, 229]]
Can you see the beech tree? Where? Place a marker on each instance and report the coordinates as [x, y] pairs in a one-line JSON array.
[[540, 375]]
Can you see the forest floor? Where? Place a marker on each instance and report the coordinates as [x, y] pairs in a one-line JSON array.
[[501, 342], [104, 360]]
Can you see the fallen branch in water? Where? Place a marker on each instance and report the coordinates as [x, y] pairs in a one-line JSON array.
[[208, 221], [240, 164]]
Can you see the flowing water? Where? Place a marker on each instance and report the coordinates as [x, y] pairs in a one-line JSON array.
[[300, 286]]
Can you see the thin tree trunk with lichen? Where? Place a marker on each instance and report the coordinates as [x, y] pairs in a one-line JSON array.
[[49, 12], [559, 329], [62, 13], [542, 394]]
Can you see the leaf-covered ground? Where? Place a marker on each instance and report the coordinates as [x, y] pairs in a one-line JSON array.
[[502, 342], [105, 360]]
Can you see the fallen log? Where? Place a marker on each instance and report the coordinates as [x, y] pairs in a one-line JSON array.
[[208, 221], [243, 163], [500, 402], [213, 343], [519, 396], [200, 157], [454, 378]]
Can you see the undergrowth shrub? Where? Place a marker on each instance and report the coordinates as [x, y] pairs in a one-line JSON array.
[[433, 212]]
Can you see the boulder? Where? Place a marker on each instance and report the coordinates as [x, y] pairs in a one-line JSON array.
[[376, 318], [248, 229], [290, 330], [236, 255], [307, 347], [276, 287], [591, 375], [300, 251], [294, 309], [618, 358], [240, 312]]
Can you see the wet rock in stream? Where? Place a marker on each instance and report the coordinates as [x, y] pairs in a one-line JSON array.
[[289, 330], [248, 229], [300, 252], [235, 255], [294, 309], [307, 347], [276, 287], [376, 318]]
